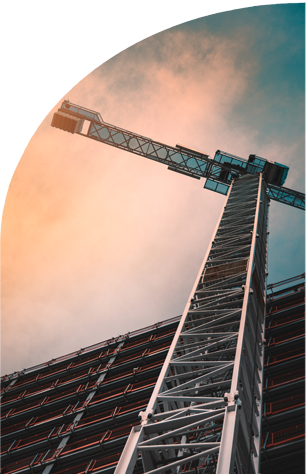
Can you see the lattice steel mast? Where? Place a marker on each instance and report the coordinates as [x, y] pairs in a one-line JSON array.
[[204, 414], [214, 367]]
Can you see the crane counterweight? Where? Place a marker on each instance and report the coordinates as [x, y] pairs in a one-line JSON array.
[[67, 122]]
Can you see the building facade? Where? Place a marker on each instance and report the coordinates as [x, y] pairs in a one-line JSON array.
[[283, 421], [74, 414]]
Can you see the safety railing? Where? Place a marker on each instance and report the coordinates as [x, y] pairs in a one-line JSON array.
[[140, 355], [151, 339], [93, 465], [97, 439], [270, 440], [139, 370], [44, 435], [285, 337], [287, 292], [285, 282], [283, 321], [122, 391], [59, 431], [271, 408], [42, 380], [284, 356], [285, 306], [79, 393], [29, 462], [283, 379], [35, 420]]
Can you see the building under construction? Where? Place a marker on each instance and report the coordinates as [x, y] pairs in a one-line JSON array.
[[206, 407], [74, 414], [218, 390]]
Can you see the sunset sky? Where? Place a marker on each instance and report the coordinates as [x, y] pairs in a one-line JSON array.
[[97, 242]]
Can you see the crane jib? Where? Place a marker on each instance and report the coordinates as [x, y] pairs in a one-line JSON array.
[[219, 172]]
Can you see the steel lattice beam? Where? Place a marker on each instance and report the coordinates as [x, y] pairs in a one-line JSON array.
[[205, 413], [192, 163]]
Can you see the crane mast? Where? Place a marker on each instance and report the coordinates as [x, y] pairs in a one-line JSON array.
[[205, 411], [204, 414]]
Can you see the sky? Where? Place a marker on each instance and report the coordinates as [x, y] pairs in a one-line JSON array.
[[97, 242]]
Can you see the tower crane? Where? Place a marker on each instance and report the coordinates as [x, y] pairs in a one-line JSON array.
[[204, 414]]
